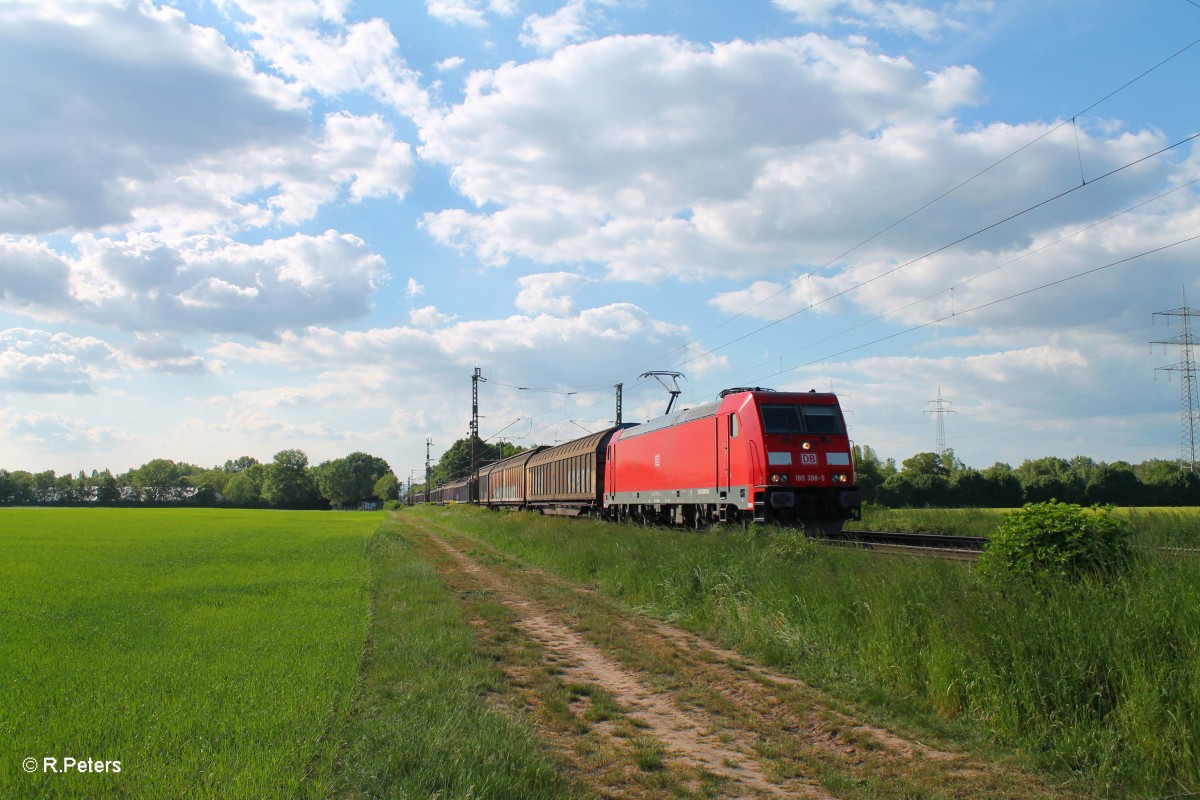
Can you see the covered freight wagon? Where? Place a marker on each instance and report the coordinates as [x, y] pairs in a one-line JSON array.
[[569, 478], [503, 483]]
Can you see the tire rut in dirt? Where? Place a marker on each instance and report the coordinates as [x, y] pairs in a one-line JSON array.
[[761, 733]]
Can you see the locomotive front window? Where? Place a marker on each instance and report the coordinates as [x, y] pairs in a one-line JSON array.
[[815, 420], [822, 419], [781, 419]]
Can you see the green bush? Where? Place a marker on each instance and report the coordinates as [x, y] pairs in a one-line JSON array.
[[392, 505], [790, 544], [1055, 538]]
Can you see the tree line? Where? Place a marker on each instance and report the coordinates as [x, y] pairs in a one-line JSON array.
[[287, 481], [930, 479]]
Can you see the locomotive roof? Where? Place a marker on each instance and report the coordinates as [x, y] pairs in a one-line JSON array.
[[677, 418], [710, 409]]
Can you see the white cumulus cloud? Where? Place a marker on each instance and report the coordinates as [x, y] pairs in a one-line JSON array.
[[547, 293], [42, 362], [567, 25], [207, 283], [469, 13], [638, 151], [907, 17], [58, 431]]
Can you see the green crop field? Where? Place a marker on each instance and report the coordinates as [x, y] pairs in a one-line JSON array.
[[207, 651]]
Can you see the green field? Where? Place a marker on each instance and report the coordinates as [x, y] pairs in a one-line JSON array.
[[208, 651], [244, 654]]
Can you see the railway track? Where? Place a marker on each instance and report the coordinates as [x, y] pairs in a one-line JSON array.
[[955, 548], [919, 545]]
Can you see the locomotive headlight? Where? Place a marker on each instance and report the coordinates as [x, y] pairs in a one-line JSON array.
[[807, 445], [779, 477], [841, 477]]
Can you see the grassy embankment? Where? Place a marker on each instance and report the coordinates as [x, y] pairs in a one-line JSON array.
[[242, 654], [1098, 680]]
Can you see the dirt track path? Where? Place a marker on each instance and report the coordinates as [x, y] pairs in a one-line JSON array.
[[640, 708]]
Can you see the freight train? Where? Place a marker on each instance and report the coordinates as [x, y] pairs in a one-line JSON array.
[[753, 454]]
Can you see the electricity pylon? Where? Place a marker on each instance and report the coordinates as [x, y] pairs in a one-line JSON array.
[[940, 409], [1189, 399]]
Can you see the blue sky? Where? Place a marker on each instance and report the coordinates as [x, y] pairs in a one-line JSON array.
[[236, 227]]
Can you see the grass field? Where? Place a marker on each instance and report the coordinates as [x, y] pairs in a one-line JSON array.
[[247, 654], [208, 651], [1097, 681]]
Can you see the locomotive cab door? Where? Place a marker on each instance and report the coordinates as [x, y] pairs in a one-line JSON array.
[[727, 434], [610, 473]]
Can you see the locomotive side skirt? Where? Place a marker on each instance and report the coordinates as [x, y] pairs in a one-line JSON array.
[[735, 494]]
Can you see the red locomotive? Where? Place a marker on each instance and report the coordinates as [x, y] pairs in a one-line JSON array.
[[754, 454]]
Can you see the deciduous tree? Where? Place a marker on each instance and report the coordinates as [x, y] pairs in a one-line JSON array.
[[287, 482]]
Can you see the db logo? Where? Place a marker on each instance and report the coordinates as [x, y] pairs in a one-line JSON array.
[[808, 458]]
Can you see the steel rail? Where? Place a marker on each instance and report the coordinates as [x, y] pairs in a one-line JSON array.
[[927, 540]]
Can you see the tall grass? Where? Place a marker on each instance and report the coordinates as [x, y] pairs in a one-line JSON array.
[[1152, 527], [208, 651], [951, 521], [1098, 679]]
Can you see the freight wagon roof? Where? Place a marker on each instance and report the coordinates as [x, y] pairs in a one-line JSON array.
[[518, 459], [574, 447]]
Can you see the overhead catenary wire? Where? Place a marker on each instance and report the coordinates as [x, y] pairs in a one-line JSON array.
[[941, 249], [944, 318], [997, 301], [938, 320], [970, 279], [944, 194], [916, 211]]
